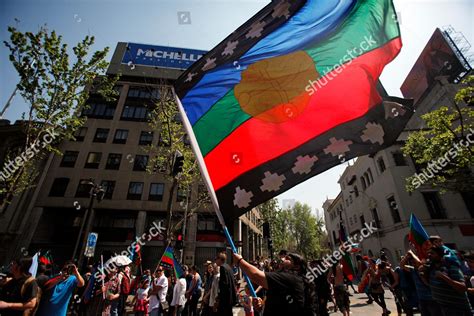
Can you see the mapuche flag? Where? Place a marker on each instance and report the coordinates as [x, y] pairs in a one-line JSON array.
[[290, 94], [346, 261], [418, 236]]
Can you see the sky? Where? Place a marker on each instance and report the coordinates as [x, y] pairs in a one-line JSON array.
[[156, 22]]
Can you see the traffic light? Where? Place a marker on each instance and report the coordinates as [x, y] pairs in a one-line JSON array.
[[179, 242], [266, 230], [270, 244], [178, 163]]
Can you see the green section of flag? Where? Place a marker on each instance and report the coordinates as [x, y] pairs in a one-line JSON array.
[[226, 115], [357, 35]]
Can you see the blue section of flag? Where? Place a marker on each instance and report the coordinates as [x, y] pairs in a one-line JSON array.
[[312, 23]]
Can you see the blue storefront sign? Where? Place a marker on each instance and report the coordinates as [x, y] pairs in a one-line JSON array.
[[160, 56]]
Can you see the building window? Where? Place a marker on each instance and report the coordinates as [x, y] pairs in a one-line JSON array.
[[468, 199], [121, 136], [80, 134], [334, 237], [350, 221], [131, 112], [84, 188], [399, 159], [207, 224], [146, 138], [69, 159], [371, 178], [100, 109], [157, 191], [135, 191], [101, 135], [381, 164], [59, 186], [362, 221], [143, 93], [392, 204], [108, 187], [355, 219], [113, 161], [93, 160], [433, 203], [356, 191], [140, 163], [362, 181], [375, 216]]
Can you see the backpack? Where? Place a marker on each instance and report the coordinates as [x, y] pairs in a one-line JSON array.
[[31, 311]]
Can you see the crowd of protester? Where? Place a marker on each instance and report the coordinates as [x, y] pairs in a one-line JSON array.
[[439, 284]]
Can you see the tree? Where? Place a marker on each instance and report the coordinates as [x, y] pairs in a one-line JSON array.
[[295, 229], [443, 149], [166, 119], [55, 89]]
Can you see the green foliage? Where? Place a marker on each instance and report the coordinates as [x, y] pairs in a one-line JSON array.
[[295, 229], [446, 131], [55, 89], [166, 119]]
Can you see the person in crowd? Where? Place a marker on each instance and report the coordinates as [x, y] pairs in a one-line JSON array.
[[189, 279], [158, 293], [179, 294], [58, 291], [208, 277], [41, 276], [323, 288], [393, 277], [214, 292], [112, 293], [247, 302], [19, 295], [427, 305], [362, 275], [140, 300], [447, 283], [227, 296], [288, 293], [194, 292], [341, 293], [469, 277], [125, 288], [376, 290], [449, 254]]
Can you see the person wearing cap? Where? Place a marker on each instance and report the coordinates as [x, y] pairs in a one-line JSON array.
[[286, 288], [449, 254]]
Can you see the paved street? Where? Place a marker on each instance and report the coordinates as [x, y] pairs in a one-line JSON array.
[[358, 306]]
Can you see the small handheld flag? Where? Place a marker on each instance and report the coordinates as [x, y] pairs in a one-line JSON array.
[[418, 236]]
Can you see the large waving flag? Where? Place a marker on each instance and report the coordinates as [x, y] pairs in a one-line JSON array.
[[290, 94], [418, 236]]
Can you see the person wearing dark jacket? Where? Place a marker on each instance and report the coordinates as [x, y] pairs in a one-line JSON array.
[[227, 295]]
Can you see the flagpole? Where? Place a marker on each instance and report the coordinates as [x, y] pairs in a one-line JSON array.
[[207, 181]]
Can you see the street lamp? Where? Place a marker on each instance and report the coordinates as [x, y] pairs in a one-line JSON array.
[[96, 192]]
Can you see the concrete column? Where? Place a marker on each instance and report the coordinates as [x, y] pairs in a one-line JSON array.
[[245, 241], [190, 240], [140, 223]]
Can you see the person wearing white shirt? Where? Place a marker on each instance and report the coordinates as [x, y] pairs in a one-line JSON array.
[[214, 289], [179, 296], [158, 293]]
